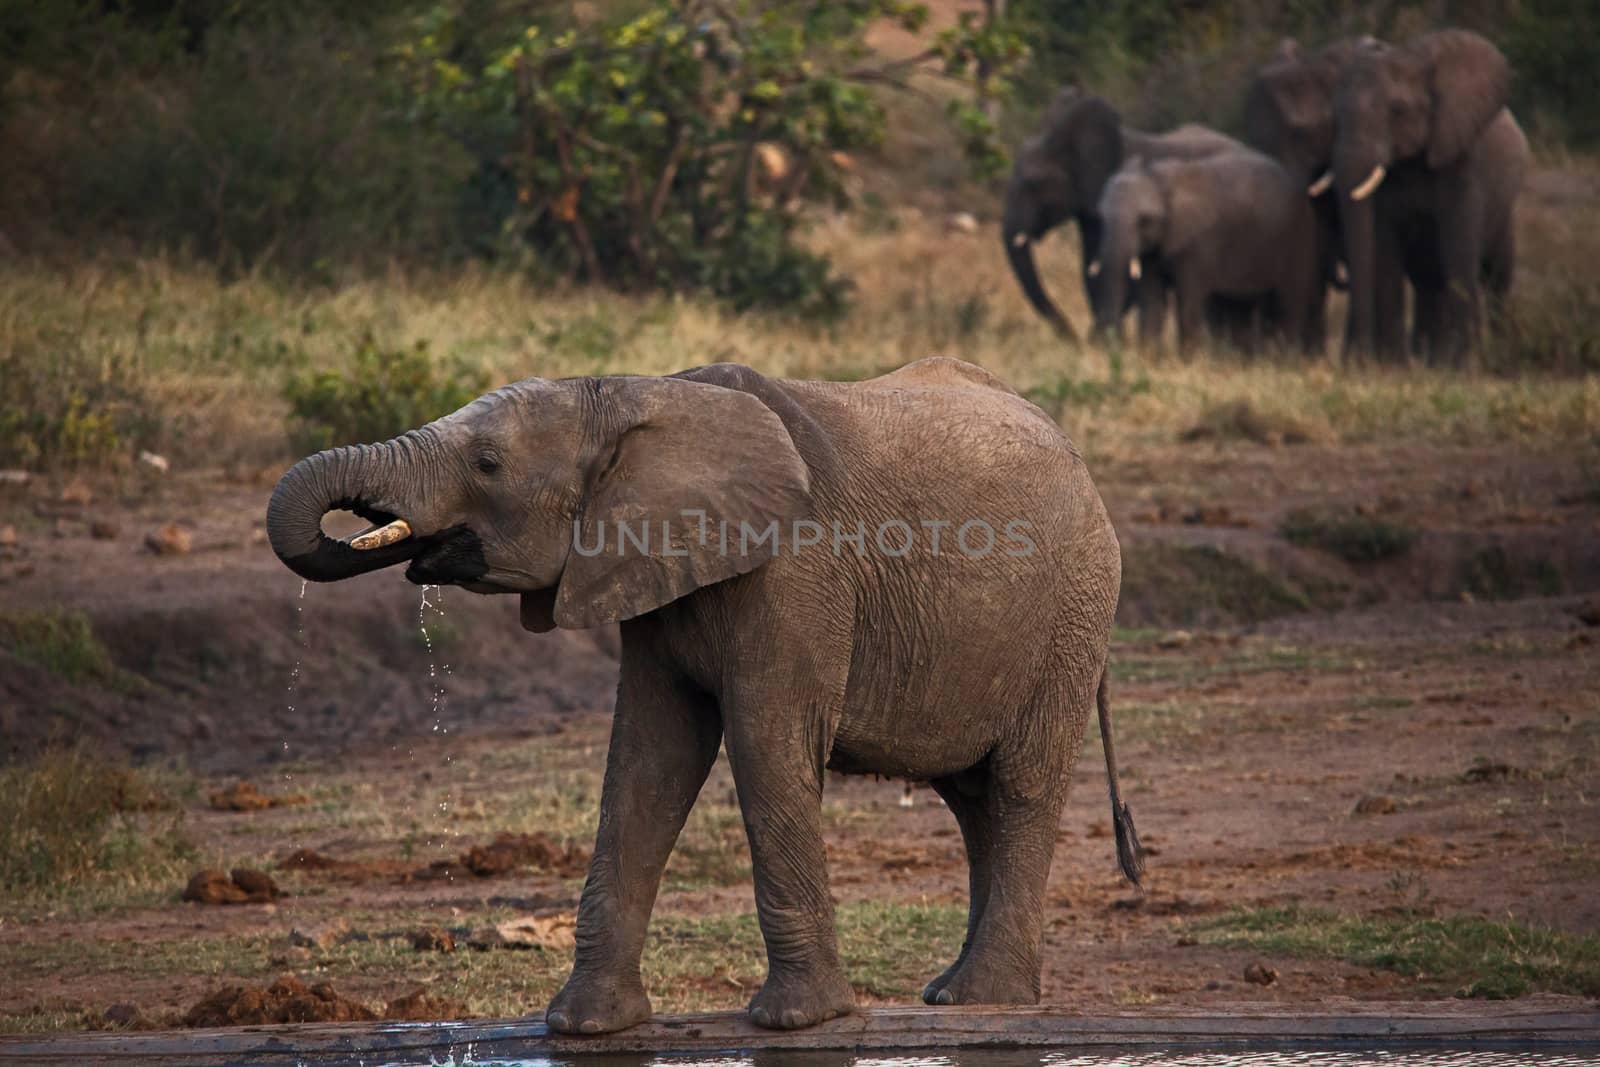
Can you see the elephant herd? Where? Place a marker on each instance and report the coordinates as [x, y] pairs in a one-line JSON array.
[[1365, 165]]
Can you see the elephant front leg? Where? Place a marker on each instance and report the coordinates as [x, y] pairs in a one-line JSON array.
[[663, 742], [777, 770]]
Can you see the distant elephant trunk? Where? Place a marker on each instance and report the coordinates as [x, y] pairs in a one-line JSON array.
[[1357, 222], [359, 478], [1022, 223]]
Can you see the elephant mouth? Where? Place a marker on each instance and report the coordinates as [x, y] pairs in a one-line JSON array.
[[453, 556]]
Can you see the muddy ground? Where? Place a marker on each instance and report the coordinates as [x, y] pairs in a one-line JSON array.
[[1418, 735]]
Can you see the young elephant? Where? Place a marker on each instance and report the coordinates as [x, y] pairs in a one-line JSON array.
[[1233, 225], [910, 576]]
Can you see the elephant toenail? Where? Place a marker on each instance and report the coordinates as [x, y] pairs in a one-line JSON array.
[[792, 1019], [555, 1020], [944, 996], [760, 1017], [589, 1026]]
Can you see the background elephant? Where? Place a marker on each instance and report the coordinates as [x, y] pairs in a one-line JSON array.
[[1427, 163], [887, 652], [1289, 115], [1059, 176], [1233, 224]]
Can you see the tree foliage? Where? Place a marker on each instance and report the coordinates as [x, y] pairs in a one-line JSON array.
[[669, 148]]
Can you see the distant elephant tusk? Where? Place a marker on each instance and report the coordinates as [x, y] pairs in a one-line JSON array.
[[1341, 273], [1135, 271], [381, 536], [1019, 241], [1321, 185], [1094, 268], [1366, 188]]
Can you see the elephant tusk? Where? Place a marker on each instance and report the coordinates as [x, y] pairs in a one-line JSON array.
[[381, 536], [1019, 241], [1321, 185], [1366, 188], [1135, 271], [1341, 273], [1093, 269]]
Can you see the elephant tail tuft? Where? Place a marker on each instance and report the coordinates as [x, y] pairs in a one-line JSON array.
[[1130, 857]]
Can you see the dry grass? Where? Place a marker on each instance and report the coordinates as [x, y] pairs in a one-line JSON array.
[[184, 363]]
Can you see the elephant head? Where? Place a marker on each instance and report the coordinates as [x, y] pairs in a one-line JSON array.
[[1288, 110], [1137, 216], [494, 497], [1423, 104], [1059, 175]]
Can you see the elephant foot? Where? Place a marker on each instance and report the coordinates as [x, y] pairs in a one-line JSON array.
[[597, 1005], [969, 981], [790, 1002]]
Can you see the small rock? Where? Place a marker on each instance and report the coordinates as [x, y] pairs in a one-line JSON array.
[[14, 479], [155, 462], [1260, 974], [961, 222], [8, 536], [1376, 804], [123, 1014], [433, 939], [324, 936], [1175, 639], [170, 540], [104, 530], [1186, 942], [77, 493]]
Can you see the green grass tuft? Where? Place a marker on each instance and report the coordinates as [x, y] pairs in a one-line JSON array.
[[1467, 955]]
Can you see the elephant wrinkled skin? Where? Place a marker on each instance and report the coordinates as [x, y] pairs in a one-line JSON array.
[[972, 663]]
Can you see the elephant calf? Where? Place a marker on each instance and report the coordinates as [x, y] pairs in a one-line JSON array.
[[911, 576], [1230, 225]]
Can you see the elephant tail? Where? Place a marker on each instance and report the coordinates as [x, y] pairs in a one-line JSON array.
[[1130, 857]]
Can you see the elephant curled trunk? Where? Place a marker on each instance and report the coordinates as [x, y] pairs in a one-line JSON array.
[[359, 478]]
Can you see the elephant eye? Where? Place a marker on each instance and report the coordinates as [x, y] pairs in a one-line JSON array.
[[488, 464]]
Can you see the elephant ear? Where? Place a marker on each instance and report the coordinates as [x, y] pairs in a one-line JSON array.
[[1469, 81], [676, 450]]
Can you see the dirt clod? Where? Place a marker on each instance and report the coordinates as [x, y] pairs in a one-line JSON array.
[[245, 886], [169, 539], [508, 852], [287, 1000], [104, 530], [433, 939], [420, 1006], [1376, 804], [244, 796], [322, 936], [1260, 974]]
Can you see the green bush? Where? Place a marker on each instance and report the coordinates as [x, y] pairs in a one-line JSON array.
[[1352, 537], [385, 391]]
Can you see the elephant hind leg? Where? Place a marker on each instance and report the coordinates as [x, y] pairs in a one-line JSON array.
[[967, 796], [1027, 785]]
